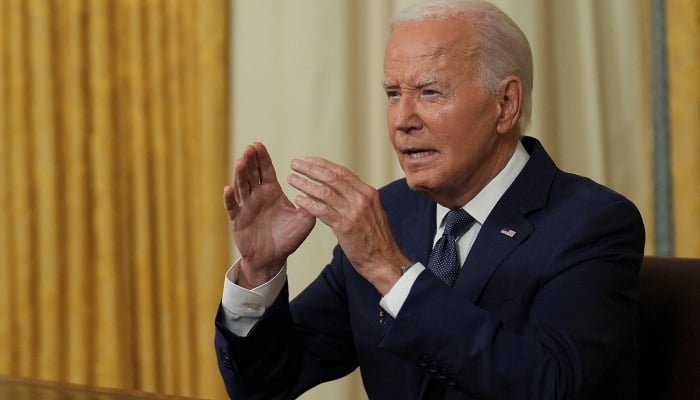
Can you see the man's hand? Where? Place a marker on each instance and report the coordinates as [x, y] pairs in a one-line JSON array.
[[266, 226], [352, 209]]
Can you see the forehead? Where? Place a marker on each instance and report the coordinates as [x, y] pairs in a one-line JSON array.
[[428, 47]]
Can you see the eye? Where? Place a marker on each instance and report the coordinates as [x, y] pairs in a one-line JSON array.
[[430, 92], [392, 95]]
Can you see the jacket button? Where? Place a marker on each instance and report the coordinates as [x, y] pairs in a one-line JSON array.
[[451, 380], [424, 361], [226, 360]]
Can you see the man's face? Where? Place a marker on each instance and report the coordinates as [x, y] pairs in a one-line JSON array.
[[442, 125]]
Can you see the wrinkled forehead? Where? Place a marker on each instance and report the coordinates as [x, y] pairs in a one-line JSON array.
[[428, 45], [432, 39]]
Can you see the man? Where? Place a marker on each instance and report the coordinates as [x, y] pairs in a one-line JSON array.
[[535, 300]]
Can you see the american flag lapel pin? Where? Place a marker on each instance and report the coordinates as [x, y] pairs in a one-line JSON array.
[[508, 232]]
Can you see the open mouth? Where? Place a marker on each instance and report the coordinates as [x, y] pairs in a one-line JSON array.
[[417, 154]]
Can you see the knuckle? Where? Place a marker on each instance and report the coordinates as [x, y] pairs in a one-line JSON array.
[[325, 192], [344, 173], [321, 209], [344, 227], [333, 178], [362, 203]]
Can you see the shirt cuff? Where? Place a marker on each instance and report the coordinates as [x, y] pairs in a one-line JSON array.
[[242, 307], [393, 301]]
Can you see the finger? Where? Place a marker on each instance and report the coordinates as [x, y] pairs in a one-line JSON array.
[[253, 167], [332, 176], [266, 170], [322, 193], [240, 179], [247, 171], [343, 181], [230, 202], [318, 209], [321, 201], [326, 171], [329, 165], [341, 173]]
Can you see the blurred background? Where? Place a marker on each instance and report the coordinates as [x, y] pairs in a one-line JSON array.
[[120, 121]]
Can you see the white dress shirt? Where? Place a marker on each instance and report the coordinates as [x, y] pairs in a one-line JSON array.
[[242, 308]]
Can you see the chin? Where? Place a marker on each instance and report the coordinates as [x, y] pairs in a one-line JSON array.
[[417, 185]]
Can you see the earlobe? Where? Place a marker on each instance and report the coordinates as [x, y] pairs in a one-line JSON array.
[[510, 102]]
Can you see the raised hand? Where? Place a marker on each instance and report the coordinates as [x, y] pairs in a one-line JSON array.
[[352, 209], [266, 226]]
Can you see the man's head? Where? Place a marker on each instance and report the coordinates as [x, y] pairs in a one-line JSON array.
[[458, 76]]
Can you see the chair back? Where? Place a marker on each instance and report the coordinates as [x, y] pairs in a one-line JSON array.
[[669, 328]]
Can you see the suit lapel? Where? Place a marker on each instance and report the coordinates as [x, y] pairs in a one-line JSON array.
[[507, 226], [491, 247]]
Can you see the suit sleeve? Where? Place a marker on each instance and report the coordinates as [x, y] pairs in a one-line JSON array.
[[282, 357], [556, 336]]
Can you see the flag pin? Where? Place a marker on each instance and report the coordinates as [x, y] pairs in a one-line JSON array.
[[508, 232]]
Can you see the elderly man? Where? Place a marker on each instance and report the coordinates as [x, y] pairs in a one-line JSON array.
[[487, 273]]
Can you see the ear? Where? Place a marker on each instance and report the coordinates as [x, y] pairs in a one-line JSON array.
[[510, 97]]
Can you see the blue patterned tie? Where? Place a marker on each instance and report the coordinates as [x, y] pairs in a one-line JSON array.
[[444, 261]]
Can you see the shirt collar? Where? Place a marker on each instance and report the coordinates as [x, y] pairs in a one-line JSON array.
[[481, 205]]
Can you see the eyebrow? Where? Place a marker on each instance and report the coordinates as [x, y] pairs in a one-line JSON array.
[[420, 85]]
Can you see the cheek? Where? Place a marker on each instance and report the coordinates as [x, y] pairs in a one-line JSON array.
[[447, 120], [444, 114], [393, 137]]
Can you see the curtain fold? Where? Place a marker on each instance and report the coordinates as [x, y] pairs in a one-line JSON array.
[[113, 152], [683, 47]]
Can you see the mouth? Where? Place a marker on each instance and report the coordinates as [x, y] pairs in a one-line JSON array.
[[419, 154], [416, 154]]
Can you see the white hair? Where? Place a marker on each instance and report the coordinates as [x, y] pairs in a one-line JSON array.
[[502, 49]]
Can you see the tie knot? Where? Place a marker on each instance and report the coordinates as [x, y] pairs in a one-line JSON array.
[[457, 222]]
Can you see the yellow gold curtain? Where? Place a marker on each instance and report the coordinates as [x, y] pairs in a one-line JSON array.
[[683, 30], [113, 152]]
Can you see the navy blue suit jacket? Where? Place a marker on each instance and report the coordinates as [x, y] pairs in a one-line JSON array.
[[548, 313]]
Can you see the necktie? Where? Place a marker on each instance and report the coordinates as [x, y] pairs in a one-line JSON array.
[[444, 262]]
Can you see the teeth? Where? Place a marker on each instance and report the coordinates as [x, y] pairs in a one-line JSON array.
[[419, 154]]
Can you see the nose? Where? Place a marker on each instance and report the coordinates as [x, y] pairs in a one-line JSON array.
[[403, 116]]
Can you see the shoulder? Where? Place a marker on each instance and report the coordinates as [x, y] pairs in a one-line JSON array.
[[576, 204], [555, 186]]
